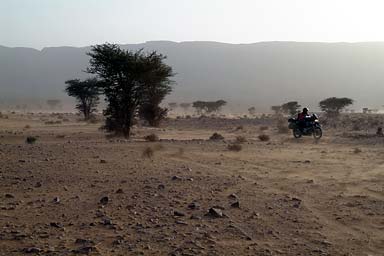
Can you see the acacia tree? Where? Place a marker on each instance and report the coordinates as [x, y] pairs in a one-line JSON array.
[[86, 93], [126, 78], [252, 111], [208, 106], [290, 108], [332, 106], [157, 85]]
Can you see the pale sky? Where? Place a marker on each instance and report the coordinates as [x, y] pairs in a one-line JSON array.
[[41, 23]]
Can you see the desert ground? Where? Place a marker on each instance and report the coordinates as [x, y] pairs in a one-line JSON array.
[[75, 191]]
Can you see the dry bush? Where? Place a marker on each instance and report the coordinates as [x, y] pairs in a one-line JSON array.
[[151, 137], [216, 136], [264, 137], [263, 128], [27, 126], [148, 152], [241, 139], [30, 140], [52, 122], [357, 151], [235, 147]]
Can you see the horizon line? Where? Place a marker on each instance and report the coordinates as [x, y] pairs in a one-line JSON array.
[[196, 41]]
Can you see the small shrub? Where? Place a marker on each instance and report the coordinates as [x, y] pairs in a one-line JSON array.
[[30, 140], [241, 139], [235, 147], [148, 152], [216, 136], [151, 137], [357, 151], [263, 128], [27, 126], [264, 137]]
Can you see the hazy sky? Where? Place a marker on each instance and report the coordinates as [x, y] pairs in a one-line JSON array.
[[40, 23]]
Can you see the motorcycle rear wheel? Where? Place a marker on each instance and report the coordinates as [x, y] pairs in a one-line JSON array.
[[317, 133], [297, 133]]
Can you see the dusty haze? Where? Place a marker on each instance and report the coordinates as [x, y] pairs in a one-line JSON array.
[[260, 74]]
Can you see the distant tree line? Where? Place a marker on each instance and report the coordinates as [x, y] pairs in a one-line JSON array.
[[332, 106]]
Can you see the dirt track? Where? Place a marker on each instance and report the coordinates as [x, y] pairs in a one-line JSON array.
[[296, 197]]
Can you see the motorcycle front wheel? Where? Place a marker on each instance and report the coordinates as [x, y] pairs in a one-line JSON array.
[[317, 133], [297, 133]]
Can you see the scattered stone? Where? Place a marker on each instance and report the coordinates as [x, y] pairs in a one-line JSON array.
[[104, 200], [233, 196], [176, 178], [178, 213], [195, 217], [161, 186], [9, 196], [236, 204], [56, 200], [215, 213], [56, 225], [179, 222], [32, 250], [106, 221], [84, 241], [193, 206], [119, 191], [102, 161], [85, 250], [38, 184]]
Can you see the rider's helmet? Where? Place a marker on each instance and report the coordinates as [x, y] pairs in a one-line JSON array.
[[305, 111]]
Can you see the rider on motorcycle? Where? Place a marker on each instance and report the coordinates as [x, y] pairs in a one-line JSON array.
[[303, 118]]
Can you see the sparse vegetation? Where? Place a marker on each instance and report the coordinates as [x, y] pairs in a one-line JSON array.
[[208, 107], [86, 93], [241, 139], [128, 80], [151, 137], [333, 106], [216, 136], [264, 137], [148, 152], [357, 151], [234, 147], [252, 111], [31, 140], [290, 108]]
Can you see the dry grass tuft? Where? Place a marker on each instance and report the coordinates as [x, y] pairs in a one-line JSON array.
[[235, 147], [30, 140], [241, 139], [216, 136], [148, 152], [264, 137], [151, 137], [357, 151]]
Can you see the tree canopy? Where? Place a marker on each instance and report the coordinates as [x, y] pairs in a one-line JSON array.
[[86, 93], [129, 79], [334, 105]]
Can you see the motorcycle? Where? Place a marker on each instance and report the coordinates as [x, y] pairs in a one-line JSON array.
[[312, 127]]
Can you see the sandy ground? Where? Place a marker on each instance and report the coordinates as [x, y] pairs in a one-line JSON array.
[[77, 192]]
